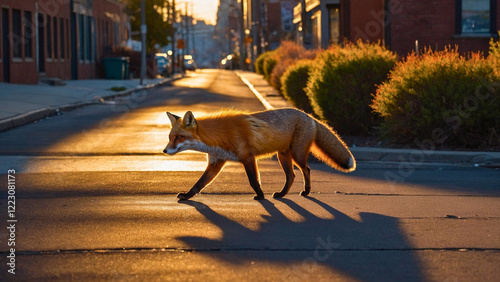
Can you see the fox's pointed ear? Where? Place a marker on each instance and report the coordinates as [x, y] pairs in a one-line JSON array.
[[188, 120], [173, 118]]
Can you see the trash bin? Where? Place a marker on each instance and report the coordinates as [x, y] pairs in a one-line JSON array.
[[116, 68]]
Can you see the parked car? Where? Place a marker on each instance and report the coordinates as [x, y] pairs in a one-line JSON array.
[[189, 63], [163, 64]]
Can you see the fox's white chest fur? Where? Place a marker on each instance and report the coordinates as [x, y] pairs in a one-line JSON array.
[[215, 153]]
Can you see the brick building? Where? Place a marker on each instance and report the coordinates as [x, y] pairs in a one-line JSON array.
[[265, 24], [399, 23], [62, 39]]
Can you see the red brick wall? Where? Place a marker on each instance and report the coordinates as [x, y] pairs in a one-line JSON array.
[[22, 70], [107, 11], [55, 66], [104, 12], [273, 19], [432, 23], [366, 20]]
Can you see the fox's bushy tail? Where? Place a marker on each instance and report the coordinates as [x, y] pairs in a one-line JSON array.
[[329, 148]]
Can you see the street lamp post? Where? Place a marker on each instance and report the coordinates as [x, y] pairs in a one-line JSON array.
[[256, 28], [143, 40]]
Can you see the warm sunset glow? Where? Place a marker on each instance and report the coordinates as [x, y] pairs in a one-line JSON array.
[[204, 10]]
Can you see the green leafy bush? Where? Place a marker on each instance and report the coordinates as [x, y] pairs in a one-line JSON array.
[[269, 63], [294, 81], [341, 87], [494, 56], [259, 62], [443, 98]]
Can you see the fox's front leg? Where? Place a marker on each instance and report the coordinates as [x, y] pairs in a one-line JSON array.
[[252, 171], [213, 169]]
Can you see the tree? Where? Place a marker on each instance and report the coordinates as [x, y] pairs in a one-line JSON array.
[[157, 21]]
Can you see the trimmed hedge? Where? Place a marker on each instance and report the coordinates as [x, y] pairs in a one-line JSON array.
[[269, 63], [259, 62], [294, 81], [287, 55], [442, 98], [494, 56], [341, 87]]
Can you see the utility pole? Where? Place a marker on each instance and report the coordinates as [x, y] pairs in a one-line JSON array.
[[143, 40], [256, 28], [187, 31], [303, 20], [192, 31], [174, 41], [242, 36]]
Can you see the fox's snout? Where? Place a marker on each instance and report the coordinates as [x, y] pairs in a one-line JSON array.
[[169, 151]]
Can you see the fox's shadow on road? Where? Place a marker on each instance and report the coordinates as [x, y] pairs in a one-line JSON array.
[[371, 249]]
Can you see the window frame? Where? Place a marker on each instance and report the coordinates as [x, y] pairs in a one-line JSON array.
[[55, 36], [81, 37], [29, 34], [459, 18], [48, 27], [62, 39], [17, 34]]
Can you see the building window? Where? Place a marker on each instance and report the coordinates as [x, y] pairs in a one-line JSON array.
[[81, 31], [41, 52], [1, 35], [315, 29], [49, 38], [28, 35], [88, 39], [104, 27], [117, 34], [66, 44], [56, 46], [93, 33], [17, 33], [62, 38], [334, 15], [476, 16]]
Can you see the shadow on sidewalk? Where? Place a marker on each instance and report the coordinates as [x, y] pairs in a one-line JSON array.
[[371, 249]]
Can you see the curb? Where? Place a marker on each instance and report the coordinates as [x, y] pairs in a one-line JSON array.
[[411, 157], [35, 115], [255, 92]]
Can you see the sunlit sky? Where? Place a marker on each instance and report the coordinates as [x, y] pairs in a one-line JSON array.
[[204, 9]]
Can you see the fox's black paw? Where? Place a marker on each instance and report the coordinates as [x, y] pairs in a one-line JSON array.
[[278, 195], [304, 193], [183, 196], [258, 197]]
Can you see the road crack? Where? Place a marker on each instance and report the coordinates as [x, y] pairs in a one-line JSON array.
[[243, 249]]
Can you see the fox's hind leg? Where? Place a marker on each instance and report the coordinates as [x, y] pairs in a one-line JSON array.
[[300, 159], [286, 163], [306, 172], [303, 139]]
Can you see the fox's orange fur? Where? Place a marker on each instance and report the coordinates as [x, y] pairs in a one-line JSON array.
[[244, 137]]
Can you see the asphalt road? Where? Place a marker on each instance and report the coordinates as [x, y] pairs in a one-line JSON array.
[[95, 200]]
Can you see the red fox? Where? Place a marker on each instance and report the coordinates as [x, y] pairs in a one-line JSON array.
[[245, 137]]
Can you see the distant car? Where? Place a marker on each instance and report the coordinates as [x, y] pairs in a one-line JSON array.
[[189, 63], [163, 64]]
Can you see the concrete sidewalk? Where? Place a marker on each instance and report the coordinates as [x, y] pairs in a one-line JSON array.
[[410, 158], [21, 103]]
